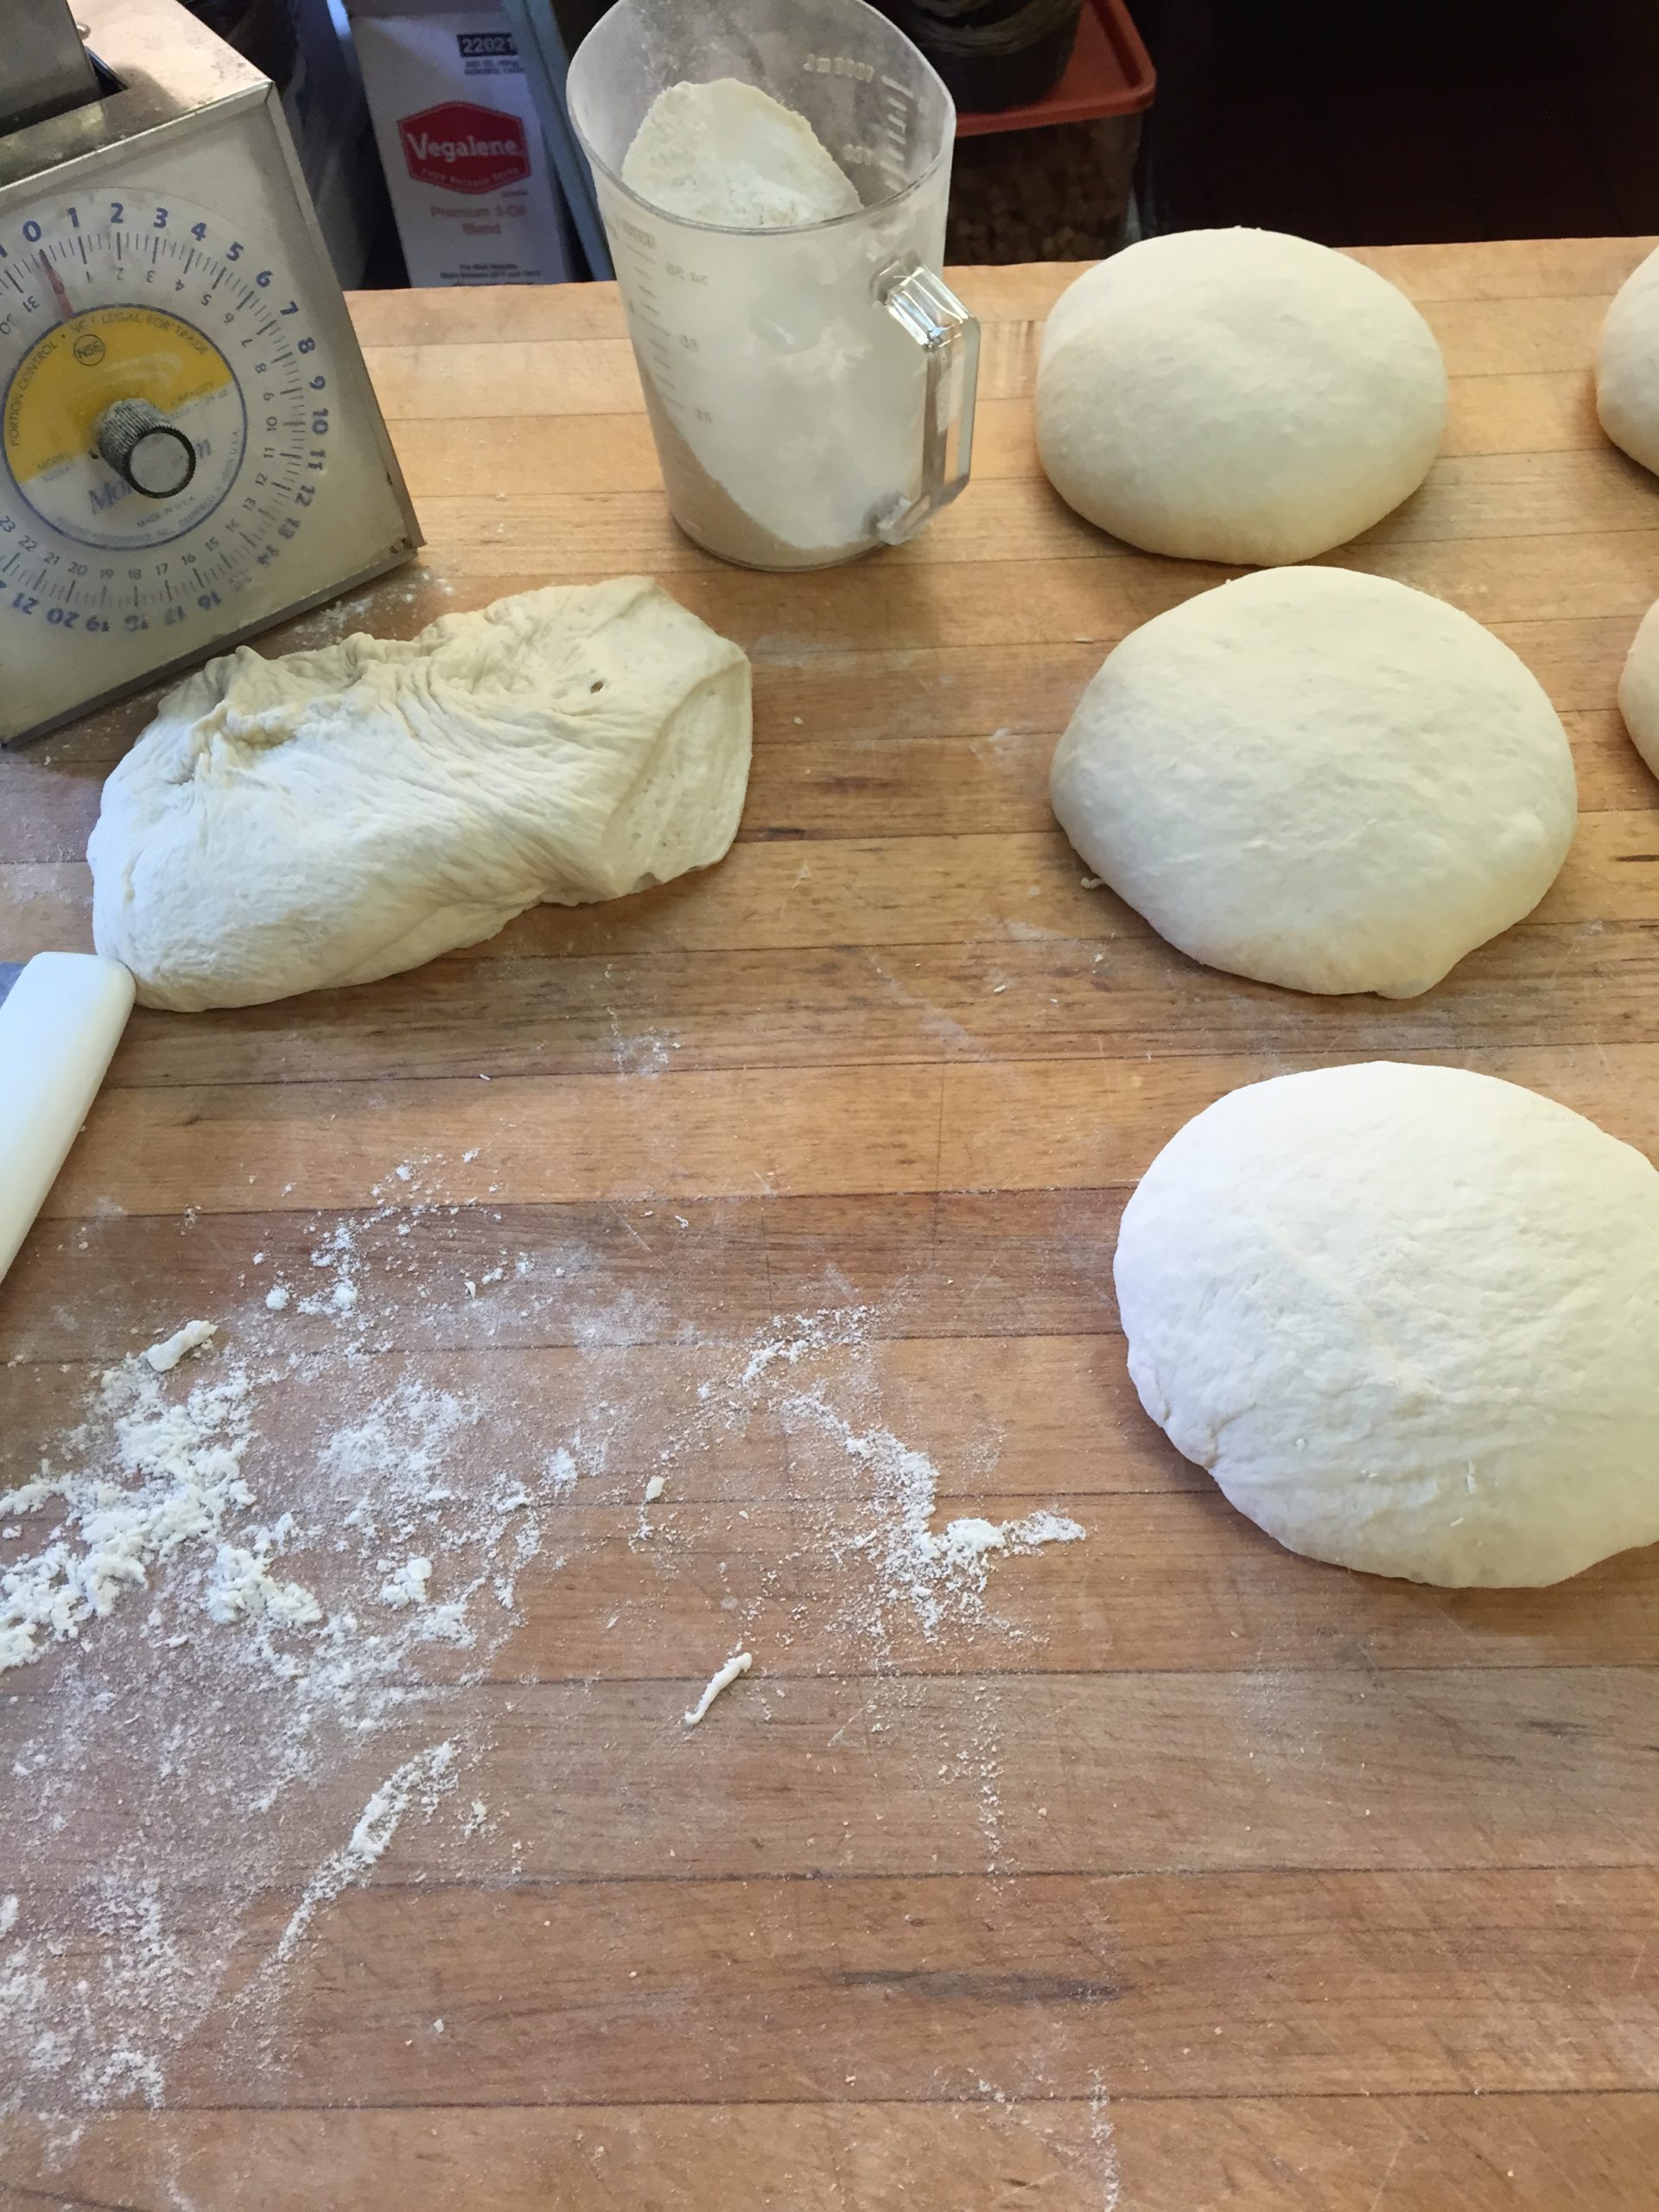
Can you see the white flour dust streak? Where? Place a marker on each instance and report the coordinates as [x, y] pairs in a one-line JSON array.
[[429, 1776]]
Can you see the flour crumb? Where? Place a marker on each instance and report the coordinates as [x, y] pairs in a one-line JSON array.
[[408, 1586], [165, 1355], [971, 1538], [277, 1300], [182, 1463], [242, 1587], [738, 1663], [1037, 1529], [7, 1915], [655, 1488]]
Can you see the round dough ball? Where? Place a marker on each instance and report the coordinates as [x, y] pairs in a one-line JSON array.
[[1627, 365], [1319, 779], [1638, 690], [1237, 396], [1409, 1319]]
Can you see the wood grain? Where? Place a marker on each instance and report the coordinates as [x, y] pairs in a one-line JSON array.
[[1525, 2152], [1189, 1874], [1463, 1768], [913, 1989], [787, 1131]]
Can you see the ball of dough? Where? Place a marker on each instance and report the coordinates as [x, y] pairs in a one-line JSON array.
[[328, 817], [1409, 1319], [1627, 365], [1319, 779], [1638, 690], [1237, 396]]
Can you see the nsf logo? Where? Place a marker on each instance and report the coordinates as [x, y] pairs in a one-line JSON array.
[[89, 349]]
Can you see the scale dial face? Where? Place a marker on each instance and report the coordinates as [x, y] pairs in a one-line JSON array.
[[189, 444], [112, 297]]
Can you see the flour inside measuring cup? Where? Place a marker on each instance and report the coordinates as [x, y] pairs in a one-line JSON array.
[[787, 405], [728, 153]]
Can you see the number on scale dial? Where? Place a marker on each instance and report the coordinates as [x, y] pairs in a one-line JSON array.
[[165, 413]]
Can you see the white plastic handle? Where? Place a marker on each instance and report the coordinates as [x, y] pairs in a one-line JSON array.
[[926, 309], [58, 1028]]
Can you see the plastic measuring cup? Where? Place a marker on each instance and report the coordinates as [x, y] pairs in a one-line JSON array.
[[810, 389]]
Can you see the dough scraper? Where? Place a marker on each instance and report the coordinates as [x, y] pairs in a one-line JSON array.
[[62, 1016]]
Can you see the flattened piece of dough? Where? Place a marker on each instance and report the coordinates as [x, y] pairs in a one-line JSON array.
[[333, 816]]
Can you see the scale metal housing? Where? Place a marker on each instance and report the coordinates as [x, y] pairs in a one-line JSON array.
[[190, 449]]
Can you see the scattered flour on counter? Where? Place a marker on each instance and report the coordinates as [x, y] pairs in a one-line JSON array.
[[337, 1256], [424, 1779], [138, 1989], [371, 609], [395, 1457], [203, 1517], [180, 1465], [961, 1541], [937, 1575], [1102, 2141], [817, 1373], [804, 1334], [199, 1708]]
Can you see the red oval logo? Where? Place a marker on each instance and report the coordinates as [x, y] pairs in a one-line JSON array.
[[464, 147]]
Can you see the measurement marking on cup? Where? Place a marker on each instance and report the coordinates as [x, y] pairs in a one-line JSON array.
[[898, 124]]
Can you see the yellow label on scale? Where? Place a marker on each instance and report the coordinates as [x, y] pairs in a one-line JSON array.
[[72, 375]]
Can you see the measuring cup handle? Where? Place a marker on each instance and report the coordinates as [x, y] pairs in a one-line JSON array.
[[924, 307]]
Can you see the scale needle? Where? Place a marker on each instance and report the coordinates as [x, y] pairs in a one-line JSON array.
[[66, 310]]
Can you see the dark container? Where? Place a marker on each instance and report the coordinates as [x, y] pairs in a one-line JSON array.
[[1052, 181], [993, 54]]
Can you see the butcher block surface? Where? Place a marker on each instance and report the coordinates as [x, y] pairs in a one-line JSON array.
[[1168, 1873]]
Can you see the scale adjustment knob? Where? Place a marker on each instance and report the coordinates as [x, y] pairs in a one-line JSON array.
[[145, 449]]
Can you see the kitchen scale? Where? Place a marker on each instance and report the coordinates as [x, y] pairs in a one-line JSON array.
[[190, 449]]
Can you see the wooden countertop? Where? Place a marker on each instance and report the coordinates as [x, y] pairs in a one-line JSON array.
[[1196, 1875]]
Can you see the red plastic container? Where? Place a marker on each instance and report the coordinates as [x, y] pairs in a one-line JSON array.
[[1063, 196], [1110, 74]]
